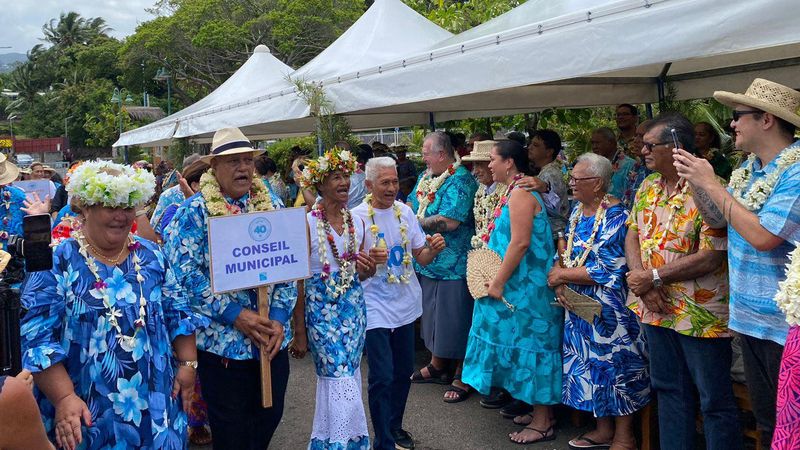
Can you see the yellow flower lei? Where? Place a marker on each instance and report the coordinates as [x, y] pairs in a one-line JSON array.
[[217, 205], [674, 203], [599, 218], [483, 208], [374, 229]]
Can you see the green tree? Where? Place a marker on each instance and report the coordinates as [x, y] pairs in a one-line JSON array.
[[72, 29]]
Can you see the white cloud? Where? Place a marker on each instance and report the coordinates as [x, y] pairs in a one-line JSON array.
[[21, 20]]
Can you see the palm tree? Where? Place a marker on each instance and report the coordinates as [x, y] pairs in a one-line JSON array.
[[71, 29]]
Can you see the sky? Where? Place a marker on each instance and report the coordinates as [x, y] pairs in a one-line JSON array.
[[21, 20]]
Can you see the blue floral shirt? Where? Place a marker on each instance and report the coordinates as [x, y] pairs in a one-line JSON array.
[[622, 166], [454, 200], [186, 247], [11, 205], [172, 196], [126, 383]]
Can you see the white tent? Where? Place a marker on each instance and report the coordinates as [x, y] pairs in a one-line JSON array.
[[386, 31], [262, 72]]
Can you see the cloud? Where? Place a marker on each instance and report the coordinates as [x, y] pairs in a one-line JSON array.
[[21, 21]]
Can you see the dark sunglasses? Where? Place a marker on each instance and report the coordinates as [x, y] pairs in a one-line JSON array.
[[650, 146], [738, 114]]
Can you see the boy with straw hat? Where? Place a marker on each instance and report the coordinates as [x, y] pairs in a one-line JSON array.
[[761, 207]]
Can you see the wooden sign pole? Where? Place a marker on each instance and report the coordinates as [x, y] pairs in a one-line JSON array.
[[266, 370]]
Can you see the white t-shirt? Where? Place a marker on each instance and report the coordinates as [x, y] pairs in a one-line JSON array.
[[396, 304]]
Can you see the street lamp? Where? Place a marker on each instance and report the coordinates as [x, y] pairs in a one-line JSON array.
[[161, 75], [11, 130], [117, 98]]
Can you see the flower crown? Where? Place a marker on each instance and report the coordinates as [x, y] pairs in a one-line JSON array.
[[111, 185], [333, 160]]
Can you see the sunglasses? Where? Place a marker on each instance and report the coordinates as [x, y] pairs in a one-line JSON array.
[[738, 114], [650, 146]]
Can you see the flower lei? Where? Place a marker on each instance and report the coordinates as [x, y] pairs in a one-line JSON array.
[[217, 205], [788, 295], [333, 160], [101, 288], [4, 235], [374, 229], [428, 186], [346, 260], [674, 203], [760, 190], [599, 218], [482, 210]]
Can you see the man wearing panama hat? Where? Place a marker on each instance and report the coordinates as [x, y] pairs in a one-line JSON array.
[[761, 208], [228, 349]]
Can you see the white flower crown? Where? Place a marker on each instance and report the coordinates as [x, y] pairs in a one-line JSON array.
[[111, 185]]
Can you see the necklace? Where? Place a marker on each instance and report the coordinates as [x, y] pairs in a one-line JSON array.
[[760, 190], [94, 250], [599, 218], [498, 209], [101, 287], [674, 202], [483, 207], [217, 204], [374, 229], [346, 260], [428, 186]]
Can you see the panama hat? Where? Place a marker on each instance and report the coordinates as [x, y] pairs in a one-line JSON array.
[[230, 141], [47, 168], [767, 96], [480, 151], [8, 171]]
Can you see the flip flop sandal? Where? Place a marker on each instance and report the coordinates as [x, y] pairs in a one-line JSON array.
[[592, 444], [436, 376], [547, 435], [461, 394], [529, 415]]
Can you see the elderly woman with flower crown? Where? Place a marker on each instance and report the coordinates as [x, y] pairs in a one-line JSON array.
[[605, 367], [335, 313], [229, 348], [100, 332]]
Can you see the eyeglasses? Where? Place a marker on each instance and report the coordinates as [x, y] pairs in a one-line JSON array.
[[573, 180], [650, 146], [738, 114]]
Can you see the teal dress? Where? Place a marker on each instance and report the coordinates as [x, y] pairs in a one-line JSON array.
[[519, 351]]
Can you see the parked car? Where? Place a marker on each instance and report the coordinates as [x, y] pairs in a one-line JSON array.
[[24, 161]]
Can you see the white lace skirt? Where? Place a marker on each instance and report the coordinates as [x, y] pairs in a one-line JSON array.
[[339, 418]]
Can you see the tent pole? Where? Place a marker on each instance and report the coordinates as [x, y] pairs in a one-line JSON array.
[[431, 121], [320, 150], [649, 108]]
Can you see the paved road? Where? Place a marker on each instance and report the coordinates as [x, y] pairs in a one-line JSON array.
[[434, 424]]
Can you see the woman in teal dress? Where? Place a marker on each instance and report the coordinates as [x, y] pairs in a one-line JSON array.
[[518, 350]]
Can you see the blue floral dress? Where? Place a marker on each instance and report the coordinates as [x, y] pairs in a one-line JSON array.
[[127, 386], [11, 214], [336, 332], [605, 362], [519, 351]]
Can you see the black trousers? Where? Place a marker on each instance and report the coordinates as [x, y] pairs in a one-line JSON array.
[[232, 390], [762, 363]]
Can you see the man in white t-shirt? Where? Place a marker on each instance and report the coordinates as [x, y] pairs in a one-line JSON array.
[[394, 300]]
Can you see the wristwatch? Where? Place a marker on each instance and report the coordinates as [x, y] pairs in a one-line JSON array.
[[657, 282], [192, 364]]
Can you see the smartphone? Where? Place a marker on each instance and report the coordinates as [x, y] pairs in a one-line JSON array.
[[36, 246]]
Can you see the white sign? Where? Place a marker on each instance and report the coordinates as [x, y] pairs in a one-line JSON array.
[[257, 249], [41, 187]]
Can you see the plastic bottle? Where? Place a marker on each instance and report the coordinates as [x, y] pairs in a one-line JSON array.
[[561, 248], [381, 270]]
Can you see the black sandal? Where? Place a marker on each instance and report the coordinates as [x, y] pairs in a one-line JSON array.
[[546, 435], [436, 376], [461, 394]]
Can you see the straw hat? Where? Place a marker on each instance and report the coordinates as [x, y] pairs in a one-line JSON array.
[[8, 171], [767, 96], [480, 151], [47, 168], [230, 141], [482, 266]]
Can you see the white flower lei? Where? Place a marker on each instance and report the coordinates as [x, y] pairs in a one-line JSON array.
[[428, 186], [101, 289], [93, 183], [347, 266], [788, 295], [218, 206], [391, 278], [599, 218], [759, 191], [483, 209]]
